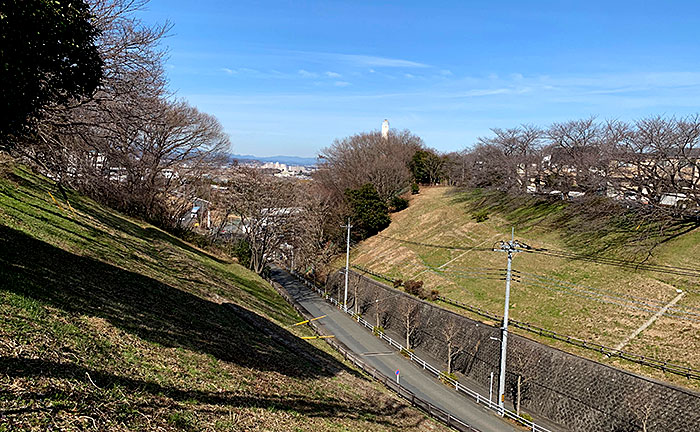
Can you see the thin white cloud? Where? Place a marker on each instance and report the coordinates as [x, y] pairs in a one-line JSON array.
[[446, 72], [358, 60], [486, 92], [409, 76], [367, 60], [341, 83], [307, 74], [228, 71], [333, 74]]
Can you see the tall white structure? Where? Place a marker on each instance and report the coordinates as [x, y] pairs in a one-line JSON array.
[[385, 129]]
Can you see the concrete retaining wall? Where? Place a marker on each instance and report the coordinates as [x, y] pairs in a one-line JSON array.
[[578, 393]]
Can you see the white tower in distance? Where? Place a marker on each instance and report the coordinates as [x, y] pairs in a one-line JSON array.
[[385, 129]]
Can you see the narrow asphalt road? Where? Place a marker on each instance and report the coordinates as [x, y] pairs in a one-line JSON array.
[[385, 359]]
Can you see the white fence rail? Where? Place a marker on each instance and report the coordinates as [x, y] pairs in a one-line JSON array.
[[479, 398]]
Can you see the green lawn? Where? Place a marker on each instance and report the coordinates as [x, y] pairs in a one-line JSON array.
[[109, 323]]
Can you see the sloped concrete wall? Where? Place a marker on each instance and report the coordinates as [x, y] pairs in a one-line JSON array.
[[570, 390]]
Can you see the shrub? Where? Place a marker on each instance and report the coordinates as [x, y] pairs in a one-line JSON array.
[[480, 216], [398, 283], [398, 204], [241, 250], [199, 240], [414, 189], [526, 416], [446, 377], [377, 329], [414, 288], [433, 295]]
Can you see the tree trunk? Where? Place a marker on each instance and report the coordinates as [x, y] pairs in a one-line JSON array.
[[408, 334], [355, 298], [449, 358], [517, 399]]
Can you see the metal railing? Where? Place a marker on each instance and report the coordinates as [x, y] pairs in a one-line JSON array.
[[435, 412], [663, 365], [459, 387]]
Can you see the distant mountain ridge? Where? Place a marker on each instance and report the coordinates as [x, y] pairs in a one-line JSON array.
[[289, 160]]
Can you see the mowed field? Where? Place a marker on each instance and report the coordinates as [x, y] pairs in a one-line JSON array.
[[109, 323], [596, 302]]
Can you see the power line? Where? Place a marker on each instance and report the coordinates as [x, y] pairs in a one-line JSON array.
[[626, 297], [615, 262], [658, 268], [663, 365], [460, 248], [608, 299]]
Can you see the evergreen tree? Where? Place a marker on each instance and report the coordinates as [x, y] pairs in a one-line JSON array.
[[370, 213], [47, 55]]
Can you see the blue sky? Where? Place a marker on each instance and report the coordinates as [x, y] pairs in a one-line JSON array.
[[288, 77]]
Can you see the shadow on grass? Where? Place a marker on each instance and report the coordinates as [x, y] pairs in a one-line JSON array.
[[300, 403], [113, 219], [153, 310]]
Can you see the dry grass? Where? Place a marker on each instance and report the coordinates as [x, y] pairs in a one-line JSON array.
[[107, 323], [443, 216]]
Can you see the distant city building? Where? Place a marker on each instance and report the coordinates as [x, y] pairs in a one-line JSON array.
[[385, 129]]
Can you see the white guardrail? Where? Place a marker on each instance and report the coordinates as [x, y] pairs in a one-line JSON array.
[[479, 398]]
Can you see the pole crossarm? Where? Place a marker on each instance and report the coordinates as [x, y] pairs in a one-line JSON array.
[[513, 246]]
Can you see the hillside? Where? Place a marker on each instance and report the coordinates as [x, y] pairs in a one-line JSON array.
[[592, 301], [108, 323]]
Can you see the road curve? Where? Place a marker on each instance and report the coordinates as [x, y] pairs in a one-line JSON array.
[[385, 359]]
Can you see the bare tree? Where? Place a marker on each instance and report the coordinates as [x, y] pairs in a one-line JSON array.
[[317, 226], [509, 155], [128, 144], [377, 299], [365, 158], [410, 315], [453, 335], [267, 208], [661, 159], [456, 167], [522, 363]]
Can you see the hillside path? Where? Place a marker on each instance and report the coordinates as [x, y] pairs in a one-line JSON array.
[[385, 359]]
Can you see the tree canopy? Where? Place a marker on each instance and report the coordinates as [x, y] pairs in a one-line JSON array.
[[426, 167], [370, 213], [47, 55]]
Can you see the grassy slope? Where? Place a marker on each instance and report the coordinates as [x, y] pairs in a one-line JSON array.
[[108, 323], [444, 216]]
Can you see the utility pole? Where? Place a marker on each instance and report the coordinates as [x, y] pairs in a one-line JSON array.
[[511, 248], [347, 267]]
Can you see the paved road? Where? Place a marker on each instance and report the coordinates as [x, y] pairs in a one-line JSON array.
[[385, 359]]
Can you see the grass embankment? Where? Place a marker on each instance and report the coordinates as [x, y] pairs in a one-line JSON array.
[[108, 323], [445, 216]]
